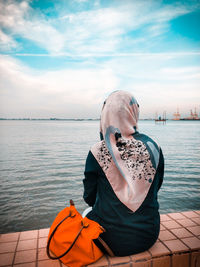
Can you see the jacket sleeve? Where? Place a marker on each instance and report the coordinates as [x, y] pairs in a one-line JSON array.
[[90, 180], [160, 169]]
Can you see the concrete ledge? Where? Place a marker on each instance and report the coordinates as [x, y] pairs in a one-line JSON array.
[[178, 245]]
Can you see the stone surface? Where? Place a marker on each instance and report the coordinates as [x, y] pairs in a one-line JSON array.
[[162, 227], [142, 264], [100, 263], [8, 247], [30, 264], [178, 246], [28, 235], [164, 217], [181, 232], [196, 220], [195, 230], [27, 244], [43, 232], [186, 222], [42, 242], [115, 260], [166, 235], [144, 256], [158, 250], [9, 237], [176, 216], [171, 224], [195, 259], [48, 263], [161, 262], [42, 255], [6, 259], [25, 256], [192, 242], [190, 214], [181, 260]]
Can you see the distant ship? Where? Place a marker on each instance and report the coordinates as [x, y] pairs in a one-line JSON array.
[[160, 118], [193, 116]]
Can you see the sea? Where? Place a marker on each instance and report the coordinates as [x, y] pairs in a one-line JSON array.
[[42, 168]]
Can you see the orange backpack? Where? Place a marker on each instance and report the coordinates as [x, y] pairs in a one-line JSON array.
[[71, 239]]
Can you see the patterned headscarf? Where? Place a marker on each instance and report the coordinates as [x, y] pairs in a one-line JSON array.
[[125, 161]]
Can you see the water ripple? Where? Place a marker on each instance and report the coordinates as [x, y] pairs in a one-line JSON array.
[[42, 166]]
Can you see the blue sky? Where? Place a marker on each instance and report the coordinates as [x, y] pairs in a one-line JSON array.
[[62, 58]]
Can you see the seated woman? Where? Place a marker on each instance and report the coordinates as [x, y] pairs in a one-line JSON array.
[[123, 174]]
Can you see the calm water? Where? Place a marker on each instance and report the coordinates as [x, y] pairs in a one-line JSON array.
[[42, 165]]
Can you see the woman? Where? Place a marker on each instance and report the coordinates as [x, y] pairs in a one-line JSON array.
[[123, 174]]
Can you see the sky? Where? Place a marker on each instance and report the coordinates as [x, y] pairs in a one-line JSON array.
[[63, 58]]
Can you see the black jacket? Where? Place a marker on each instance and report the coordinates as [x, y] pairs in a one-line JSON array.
[[127, 232]]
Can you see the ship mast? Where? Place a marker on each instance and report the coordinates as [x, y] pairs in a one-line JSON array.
[[195, 114], [177, 115], [191, 114]]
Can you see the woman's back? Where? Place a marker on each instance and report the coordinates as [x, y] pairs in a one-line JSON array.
[[123, 174], [127, 232]]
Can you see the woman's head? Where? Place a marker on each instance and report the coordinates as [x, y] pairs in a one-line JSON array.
[[119, 114], [124, 158]]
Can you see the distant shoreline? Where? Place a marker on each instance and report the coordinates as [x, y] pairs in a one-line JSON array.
[[57, 119], [43, 119]]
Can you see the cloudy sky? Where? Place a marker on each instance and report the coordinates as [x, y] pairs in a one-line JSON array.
[[62, 58]]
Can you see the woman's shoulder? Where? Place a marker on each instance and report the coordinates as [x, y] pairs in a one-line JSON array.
[[91, 163]]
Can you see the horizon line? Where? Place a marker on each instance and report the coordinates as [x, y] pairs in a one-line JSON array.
[[63, 119]]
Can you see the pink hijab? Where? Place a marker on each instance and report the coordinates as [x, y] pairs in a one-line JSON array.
[[125, 161]]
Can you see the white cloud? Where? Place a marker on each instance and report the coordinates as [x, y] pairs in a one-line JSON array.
[[21, 20], [81, 92], [156, 79], [12, 13], [7, 42], [158, 97], [157, 84], [182, 73], [81, 1], [102, 30], [97, 30], [181, 70], [157, 29], [65, 93]]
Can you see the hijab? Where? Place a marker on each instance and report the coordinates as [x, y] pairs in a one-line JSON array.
[[125, 160]]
